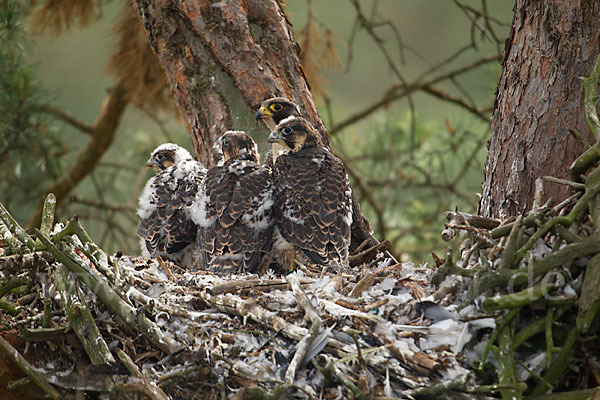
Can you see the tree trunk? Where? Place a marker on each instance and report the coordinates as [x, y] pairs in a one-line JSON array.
[[539, 99], [221, 60]]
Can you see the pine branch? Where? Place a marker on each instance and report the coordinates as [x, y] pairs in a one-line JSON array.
[[63, 115], [104, 130]]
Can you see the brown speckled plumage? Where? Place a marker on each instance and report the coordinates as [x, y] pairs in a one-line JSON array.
[[313, 205], [165, 227], [234, 213]]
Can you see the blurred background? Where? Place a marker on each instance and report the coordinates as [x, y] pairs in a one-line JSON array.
[[404, 86]]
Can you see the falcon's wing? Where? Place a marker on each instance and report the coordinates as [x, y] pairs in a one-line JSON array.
[[237, 229], [165, 226], [313, 207]]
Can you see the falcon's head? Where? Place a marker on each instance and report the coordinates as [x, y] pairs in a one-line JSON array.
[[295, 133], [166, 155], [273, 110], [236, 145]]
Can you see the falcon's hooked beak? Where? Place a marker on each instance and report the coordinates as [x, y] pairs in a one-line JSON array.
[[152, 163], [274, 138], [263, 113]]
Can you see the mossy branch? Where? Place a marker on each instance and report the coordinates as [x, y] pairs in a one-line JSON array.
[[589, 303], [80, 318], [519, 299], [560, 364], [14, 227], [489, 279], [48, 213], [109, 297]]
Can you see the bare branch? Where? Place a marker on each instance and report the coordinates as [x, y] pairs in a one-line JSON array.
[[61, 114], [104, 130], [399, 91], [440, 94]]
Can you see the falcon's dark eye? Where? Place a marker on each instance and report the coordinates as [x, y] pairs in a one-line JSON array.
[[225, 142], [276, 107], [287, 130], [160, 156]]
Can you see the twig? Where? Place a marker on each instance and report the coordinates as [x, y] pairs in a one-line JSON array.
[[16, 229], [102, 204], [14, 244], [248, 309], [369, 254], [573, 216], [574, 185], [584, 162], [519, 299], [329, 369], [440, 94], [152, 390], [80, 318], [61, 114], [39, 334], [48, 214], [449, 268], [589, 303], [362, 285], [361, 246], [261, 284], [310, 314], [369, 27], [111, 299], [10, 285], [559, 365], [397, 92], [141, 388], [88, 157]]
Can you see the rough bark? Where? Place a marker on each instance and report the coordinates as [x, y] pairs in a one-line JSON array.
[[539, 100], [221, 60]]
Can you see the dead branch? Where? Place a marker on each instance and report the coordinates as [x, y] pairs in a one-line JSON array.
[[370, 253], [63, 115], [104, 130]]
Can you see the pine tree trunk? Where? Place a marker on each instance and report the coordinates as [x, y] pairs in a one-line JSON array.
[[539, 100], [222, 59]]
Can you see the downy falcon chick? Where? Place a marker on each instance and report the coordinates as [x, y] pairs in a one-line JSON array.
[[233, 208], [165, 227]]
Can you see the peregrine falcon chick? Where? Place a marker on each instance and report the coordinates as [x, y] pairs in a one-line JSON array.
[[272, 111], [313, 198], [233, 208], [165, 227]]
